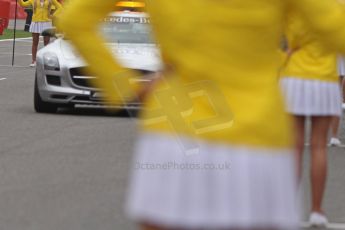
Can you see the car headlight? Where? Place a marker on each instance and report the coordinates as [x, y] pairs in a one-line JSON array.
[[51, 62]]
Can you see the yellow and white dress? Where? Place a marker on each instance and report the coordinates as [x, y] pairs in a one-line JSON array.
[[215, 147], [41, 18], [310, 79]]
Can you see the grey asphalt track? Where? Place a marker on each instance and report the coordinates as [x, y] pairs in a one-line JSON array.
[[69, 171]]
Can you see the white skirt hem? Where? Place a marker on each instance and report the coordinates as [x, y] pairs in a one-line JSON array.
[[257, 189], [39, 27], [311, 97]]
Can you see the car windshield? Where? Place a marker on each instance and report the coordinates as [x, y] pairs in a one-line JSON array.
[[121, 29]]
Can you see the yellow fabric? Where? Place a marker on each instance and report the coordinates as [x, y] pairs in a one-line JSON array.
[[310, 59], [42, 14], [223, 59]]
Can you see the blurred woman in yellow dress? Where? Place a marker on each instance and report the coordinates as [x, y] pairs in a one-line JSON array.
[[216, 149]]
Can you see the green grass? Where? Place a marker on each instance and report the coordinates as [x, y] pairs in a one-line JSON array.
[[8, 34]]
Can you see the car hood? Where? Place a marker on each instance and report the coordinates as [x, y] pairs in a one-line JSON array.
[[133, 56]]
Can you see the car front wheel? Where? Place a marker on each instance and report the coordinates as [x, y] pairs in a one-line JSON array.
[[42, 106]]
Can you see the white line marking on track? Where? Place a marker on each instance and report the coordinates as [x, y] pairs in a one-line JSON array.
[[15, 54], [20, 39], [340, 226], [1, 79], [17, 39]]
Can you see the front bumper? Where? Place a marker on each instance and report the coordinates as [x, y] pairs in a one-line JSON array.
[[61, 87]]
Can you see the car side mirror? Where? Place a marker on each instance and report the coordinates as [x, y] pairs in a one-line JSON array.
[[51, 32]]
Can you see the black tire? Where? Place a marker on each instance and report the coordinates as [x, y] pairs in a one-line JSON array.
[[42, 106]]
